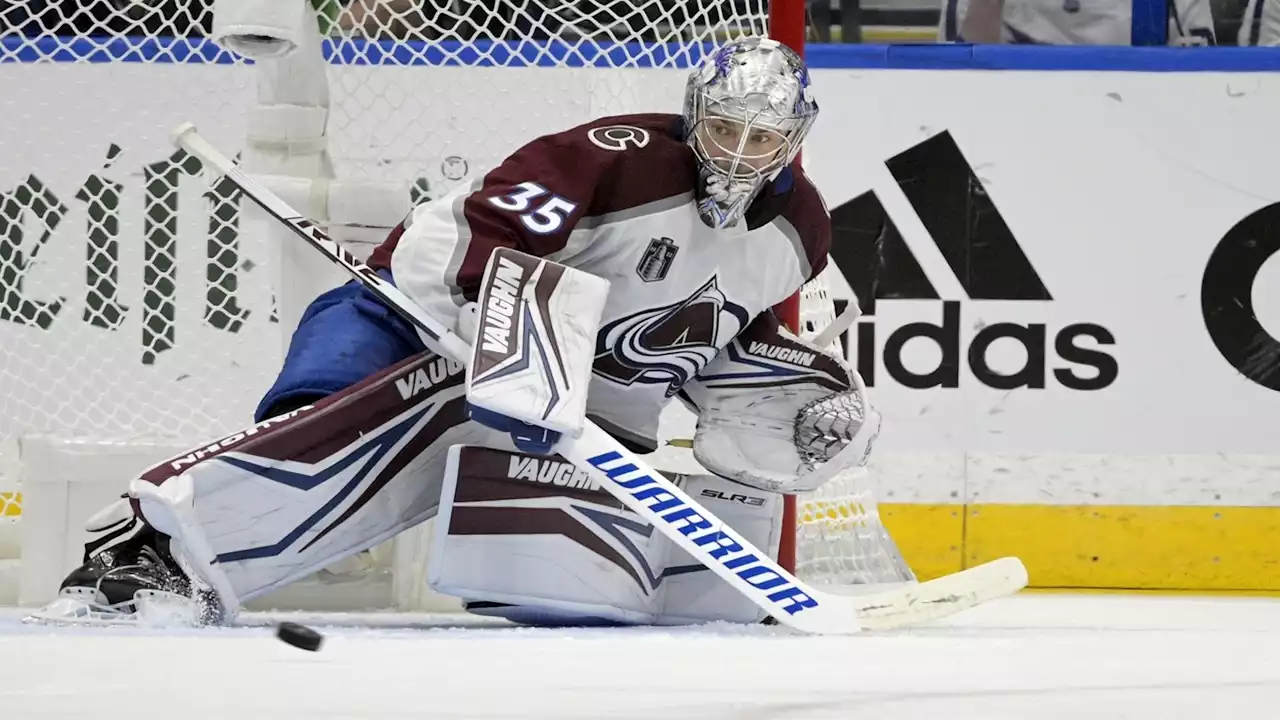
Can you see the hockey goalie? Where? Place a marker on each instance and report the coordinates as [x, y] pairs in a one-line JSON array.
[[601, 272]]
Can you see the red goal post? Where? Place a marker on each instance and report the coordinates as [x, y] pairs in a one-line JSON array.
[[787, 25]]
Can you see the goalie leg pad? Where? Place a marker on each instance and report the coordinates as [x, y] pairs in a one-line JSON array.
[[695, 597], [533, 539], [291, 495]]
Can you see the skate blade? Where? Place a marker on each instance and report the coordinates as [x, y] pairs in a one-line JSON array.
[[149, 608]]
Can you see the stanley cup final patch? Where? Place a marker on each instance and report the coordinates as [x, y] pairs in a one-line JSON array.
[[656, 261]]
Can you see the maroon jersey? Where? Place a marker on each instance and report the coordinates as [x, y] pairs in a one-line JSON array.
[[615, 198]]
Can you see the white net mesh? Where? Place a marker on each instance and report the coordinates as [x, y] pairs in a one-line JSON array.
[[133, 307], [817, 311], [840, 539], [127, 306]]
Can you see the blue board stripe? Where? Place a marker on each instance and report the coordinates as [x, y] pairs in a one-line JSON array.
[[928, 56]]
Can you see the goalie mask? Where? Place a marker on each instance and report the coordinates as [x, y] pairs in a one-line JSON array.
[[747, 110]]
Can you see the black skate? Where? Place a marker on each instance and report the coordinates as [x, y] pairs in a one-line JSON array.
[[129, 575]]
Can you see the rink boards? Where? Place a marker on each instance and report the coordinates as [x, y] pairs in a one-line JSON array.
[[1069, 328], [1072, 369]]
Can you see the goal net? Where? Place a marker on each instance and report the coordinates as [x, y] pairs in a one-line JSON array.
[[143, 308]]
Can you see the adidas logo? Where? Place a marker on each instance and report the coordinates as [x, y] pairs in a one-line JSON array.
[[987, 263]]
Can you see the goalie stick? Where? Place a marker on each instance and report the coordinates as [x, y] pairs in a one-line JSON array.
[[649, 494]]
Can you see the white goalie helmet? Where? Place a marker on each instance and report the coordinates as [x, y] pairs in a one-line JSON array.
[[747, 109]]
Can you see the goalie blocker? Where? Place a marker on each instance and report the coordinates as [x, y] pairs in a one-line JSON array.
[[532, 347]]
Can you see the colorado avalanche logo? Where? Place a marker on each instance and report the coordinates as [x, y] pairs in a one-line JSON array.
[[670, 344]]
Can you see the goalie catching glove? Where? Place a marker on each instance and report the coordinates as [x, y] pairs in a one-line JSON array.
[[777, 413]]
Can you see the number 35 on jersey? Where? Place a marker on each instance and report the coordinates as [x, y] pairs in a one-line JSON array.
[[540, 211]]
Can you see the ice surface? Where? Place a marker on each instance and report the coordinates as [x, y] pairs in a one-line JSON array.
[[1032, 656]]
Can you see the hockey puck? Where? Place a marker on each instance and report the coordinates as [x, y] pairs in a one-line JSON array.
[[299, 636]]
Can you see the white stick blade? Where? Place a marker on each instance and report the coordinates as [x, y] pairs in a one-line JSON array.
[[942, 597]]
